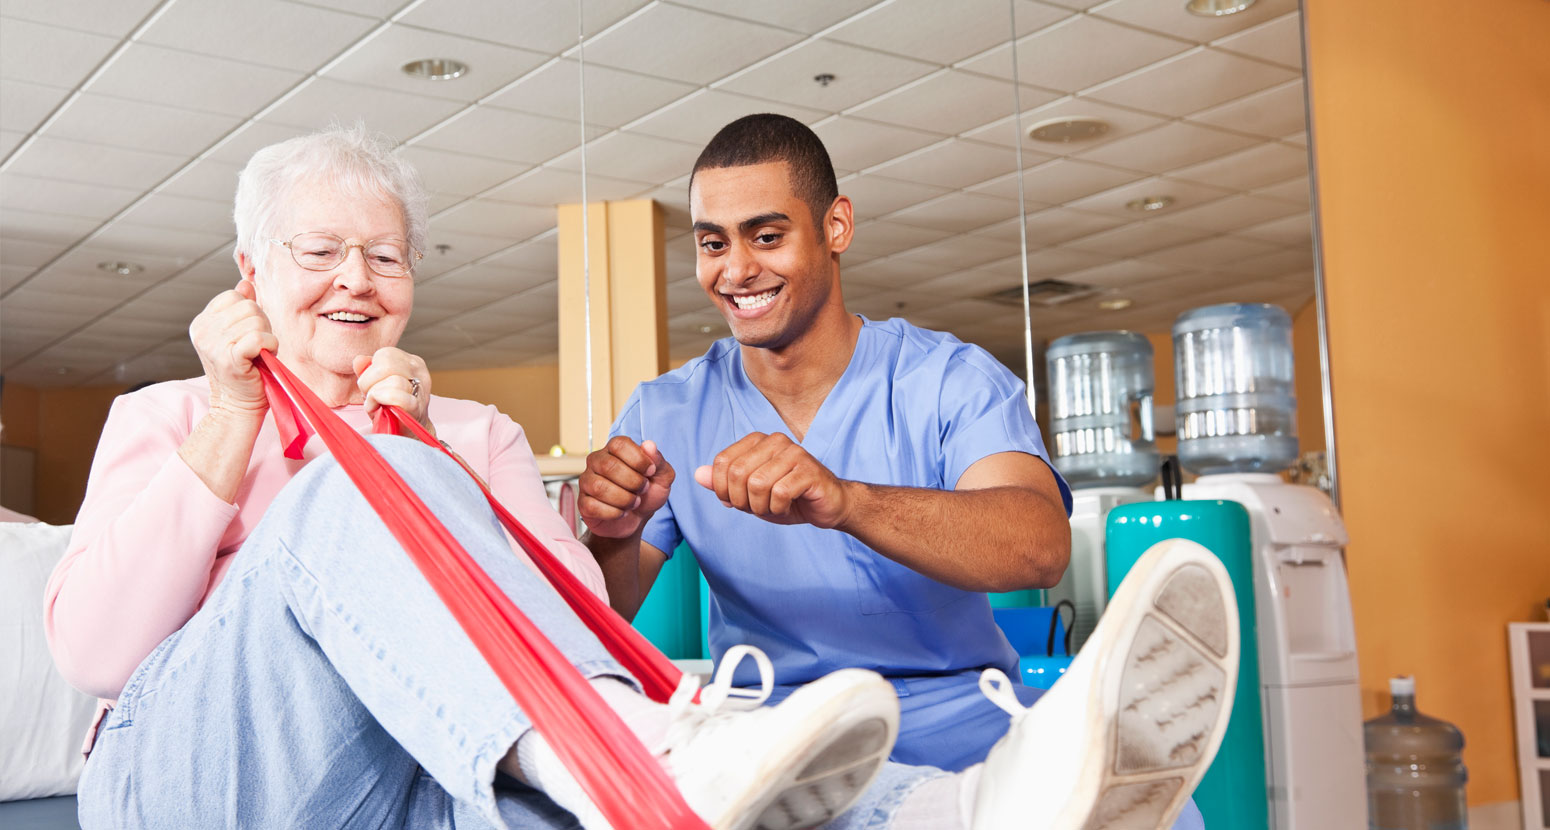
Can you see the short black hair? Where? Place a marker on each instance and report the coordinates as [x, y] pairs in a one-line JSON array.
[[767, 137]]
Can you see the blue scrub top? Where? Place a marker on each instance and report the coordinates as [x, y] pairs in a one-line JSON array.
[[914, 408]]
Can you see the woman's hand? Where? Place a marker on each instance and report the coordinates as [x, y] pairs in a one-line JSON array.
[[395, 377], [228, 336]]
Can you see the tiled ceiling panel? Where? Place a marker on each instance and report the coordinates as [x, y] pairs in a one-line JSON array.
[[123, 126]]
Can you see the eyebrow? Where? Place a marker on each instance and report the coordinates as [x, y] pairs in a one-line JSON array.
[[745, 225]]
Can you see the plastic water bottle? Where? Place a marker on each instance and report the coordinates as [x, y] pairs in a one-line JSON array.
[[1415, 775]]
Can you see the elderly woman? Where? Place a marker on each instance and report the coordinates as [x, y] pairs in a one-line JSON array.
[[267, 654]]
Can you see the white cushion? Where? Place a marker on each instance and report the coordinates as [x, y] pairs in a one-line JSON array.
[[42, 719]]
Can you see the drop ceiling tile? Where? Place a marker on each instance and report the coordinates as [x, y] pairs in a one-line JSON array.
[[1122, 122], [180, 245], [1257, 166], [74, 161], [506, 135], [955, 164], [696, 118], [207, 179], [23, 106], [198, 82], [1273, 264], [378, 60], [96, 284], [41, 227], [802, 17], [64, 57], [325, 101], [1172, 19], [462, 248], [1076, 53], [1122, 274], [857, 144], [721, 45], [859, 75], [9, 141], [1233, 212], [1209, 253], [1278, 41], [265, 32], [18, 192], [1298, 139], [1056, 182], [239, 147], [1294, 230], [1055, 225], [875, 196], [1190, 82], [499, 281], [1272, 113], [100, 119], [540, 254], [957, 212], [1167, 148], [614, 96], [34, 297], [1048, 263], [963, 251], [458, 174], [116, 18], [949, 102], [939, 32], [1113, 202], [441, 201], [217, 271], [543, 27], [880, 238], [626, 155], [502, 220], [1136, 238], [29, 253], [550, 186], [1294, 191], [168, 302]]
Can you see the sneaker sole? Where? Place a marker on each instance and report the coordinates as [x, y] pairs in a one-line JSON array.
[[849, 720], [1166, 695]]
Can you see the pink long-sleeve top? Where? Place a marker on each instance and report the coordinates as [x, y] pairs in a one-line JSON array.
[[151, 541]]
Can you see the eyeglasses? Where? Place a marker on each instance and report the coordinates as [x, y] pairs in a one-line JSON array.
[[318, 251]]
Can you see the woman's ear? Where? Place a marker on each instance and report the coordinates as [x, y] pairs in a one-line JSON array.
[[249, 271]]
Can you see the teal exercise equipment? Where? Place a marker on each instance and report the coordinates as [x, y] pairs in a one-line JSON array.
[[1233, 791], [670, 616]]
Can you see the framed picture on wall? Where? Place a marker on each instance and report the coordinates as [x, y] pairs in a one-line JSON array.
[[1529, 646]]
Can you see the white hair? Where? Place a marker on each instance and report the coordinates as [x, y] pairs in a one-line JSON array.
[[351, 159]]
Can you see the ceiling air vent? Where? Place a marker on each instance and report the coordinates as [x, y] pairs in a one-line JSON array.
[[1043, 293]]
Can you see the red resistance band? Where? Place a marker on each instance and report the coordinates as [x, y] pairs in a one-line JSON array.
[[615, 770]]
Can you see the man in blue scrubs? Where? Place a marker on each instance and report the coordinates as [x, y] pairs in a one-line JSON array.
[[854, 487]]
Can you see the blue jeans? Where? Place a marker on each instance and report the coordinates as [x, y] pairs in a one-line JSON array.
[[324, 684]]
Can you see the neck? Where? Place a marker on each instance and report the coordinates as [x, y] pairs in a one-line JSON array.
[[333, 388], [811, 364]]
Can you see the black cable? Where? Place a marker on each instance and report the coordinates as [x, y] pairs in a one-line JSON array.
[[1054, 623]]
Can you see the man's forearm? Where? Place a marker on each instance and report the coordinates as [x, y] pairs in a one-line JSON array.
[[619, 560], [995, 539]]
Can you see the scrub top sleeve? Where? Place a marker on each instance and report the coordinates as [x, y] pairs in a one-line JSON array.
[[984, 410], [661, 532]]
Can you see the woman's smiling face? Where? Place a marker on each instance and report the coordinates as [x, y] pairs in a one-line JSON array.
[[324, 319]]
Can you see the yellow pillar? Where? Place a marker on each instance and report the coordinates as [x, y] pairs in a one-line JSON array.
[[627, 268]]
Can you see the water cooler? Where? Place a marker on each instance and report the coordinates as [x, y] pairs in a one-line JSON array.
[[1236, 421], [1100, 407]]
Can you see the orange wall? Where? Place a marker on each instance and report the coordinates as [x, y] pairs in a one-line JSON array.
[[529, 395], [1432, 133]]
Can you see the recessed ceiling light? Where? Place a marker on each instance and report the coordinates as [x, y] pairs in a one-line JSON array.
[[1115, 304], [1146, 204], [435, 69], [823, 78], [706, 329], [1065, 130], [123, 269], [1217, 8]]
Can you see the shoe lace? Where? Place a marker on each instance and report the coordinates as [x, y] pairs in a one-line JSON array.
[[996, 686], [690, 720]]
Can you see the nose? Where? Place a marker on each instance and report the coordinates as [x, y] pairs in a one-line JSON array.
[[353, 274], [740, 265]]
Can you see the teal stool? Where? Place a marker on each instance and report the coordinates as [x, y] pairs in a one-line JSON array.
[[670, 616], [1232, 793]]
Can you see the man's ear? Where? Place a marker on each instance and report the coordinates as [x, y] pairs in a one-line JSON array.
[[840, 224]]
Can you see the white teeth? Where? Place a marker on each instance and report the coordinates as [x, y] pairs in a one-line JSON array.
[[348, 317], [755, 300]]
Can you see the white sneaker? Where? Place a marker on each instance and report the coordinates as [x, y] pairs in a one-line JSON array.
[[1123, 738], [741, 765]]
